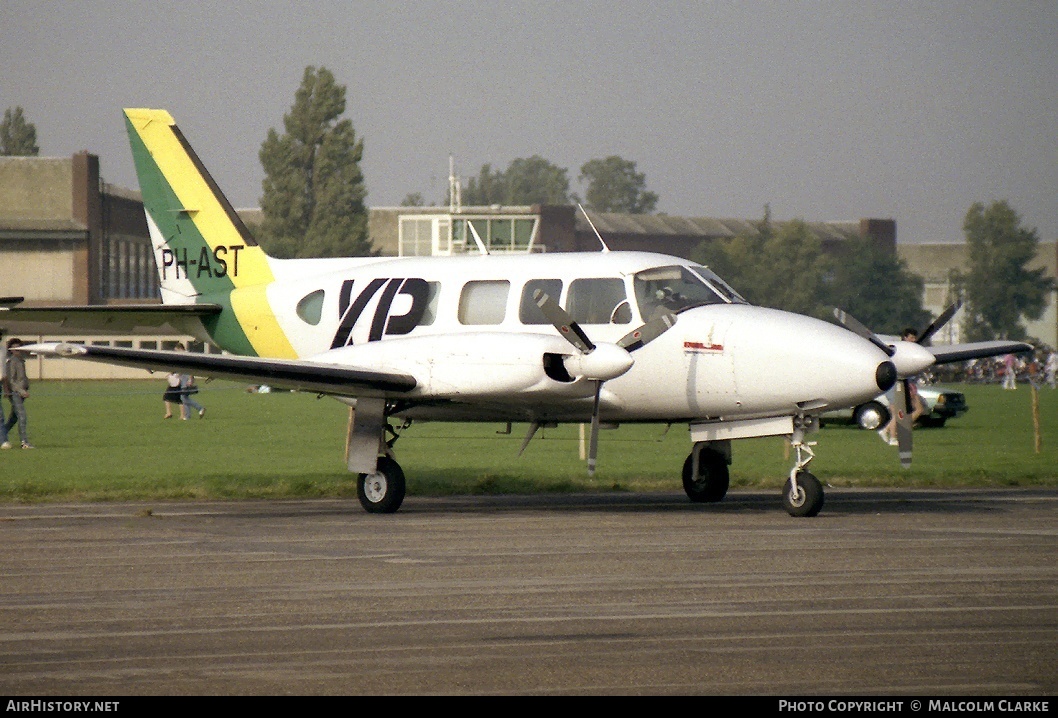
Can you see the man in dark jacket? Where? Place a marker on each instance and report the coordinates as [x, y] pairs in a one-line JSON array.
[[16, 389]]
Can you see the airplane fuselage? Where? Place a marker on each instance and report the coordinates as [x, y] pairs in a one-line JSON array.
[[467, 329]]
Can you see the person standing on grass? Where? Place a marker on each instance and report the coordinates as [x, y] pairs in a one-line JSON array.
[[888, 432], [16, 389], [187, 389], [4, 391], [1010, 368], [172, 396]]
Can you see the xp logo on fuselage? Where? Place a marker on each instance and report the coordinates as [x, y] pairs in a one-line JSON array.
[[350, 309]]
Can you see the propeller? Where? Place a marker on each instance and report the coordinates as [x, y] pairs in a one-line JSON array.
[[934, 326], [600, 362], [903, 400], [854, 325], [902, 407]]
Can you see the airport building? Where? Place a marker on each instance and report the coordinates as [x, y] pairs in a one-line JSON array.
[[67, 237]]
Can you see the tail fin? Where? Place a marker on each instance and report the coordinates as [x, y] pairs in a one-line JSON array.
[[201, 246], [204, 252]]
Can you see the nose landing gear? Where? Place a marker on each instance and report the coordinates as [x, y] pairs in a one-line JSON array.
[[802, 494]]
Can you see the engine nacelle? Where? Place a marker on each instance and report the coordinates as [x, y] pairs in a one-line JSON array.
[[475, 364]]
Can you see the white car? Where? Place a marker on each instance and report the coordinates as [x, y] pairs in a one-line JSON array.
[[941, 405]]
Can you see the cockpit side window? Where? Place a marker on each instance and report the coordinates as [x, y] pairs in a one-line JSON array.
[[596, 301], [673, 289]]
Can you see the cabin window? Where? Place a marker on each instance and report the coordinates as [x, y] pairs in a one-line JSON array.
[[310, 308], [598, 301], [528, 310], [484, 302]]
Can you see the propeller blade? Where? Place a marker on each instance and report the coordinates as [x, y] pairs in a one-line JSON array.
[[939, 322], [647, 333], [529, 437], [593, 442], [563, 322], [903, 422], [852, 324]]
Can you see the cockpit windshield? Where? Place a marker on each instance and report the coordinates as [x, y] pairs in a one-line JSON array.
[[713, 280], [676, 288]]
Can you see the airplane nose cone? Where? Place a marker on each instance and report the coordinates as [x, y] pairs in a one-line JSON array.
[[885, 375]]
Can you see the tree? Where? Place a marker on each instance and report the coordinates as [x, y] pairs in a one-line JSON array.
[[535, 181], [313, 191], [17, 137], [615, 186], [413, 199], [875, 285], [531, 180], [998, 287], [782, 267], [489, 187]]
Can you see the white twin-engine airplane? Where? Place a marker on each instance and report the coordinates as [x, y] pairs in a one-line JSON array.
[[542, 338]]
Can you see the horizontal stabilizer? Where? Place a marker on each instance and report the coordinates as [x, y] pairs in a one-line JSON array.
[[947, 353], [298, 375], [108, 319]]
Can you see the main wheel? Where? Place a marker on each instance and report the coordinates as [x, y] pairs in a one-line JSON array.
[[383, 491], [807, 500], [713, 479], [871, 415]]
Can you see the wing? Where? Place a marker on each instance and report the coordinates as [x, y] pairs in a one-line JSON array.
[[124, 319], [297, 374], [947, 353]]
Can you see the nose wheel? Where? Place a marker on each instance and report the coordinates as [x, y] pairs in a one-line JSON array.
[[802, 494]]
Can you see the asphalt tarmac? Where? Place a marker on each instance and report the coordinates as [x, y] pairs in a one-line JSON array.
[[885, 593]]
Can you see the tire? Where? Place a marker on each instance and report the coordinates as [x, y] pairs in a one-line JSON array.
[[871, 416], [713, 478], [809, 498], [383, 491]]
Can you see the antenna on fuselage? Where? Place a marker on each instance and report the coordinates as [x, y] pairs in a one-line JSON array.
[[477, 237], [604, 247]]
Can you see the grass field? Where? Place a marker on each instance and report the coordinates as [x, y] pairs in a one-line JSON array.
[[107, 441]]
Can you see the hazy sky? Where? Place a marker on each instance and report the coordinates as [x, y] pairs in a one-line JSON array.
[[825, 110]]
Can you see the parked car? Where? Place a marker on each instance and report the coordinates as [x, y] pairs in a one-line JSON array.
[[941, 405]]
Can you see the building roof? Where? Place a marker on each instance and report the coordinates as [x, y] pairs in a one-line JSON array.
[[612, 223]]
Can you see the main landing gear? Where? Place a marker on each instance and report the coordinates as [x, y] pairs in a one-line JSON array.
[[705, 474], [382, 492], [380, 484]]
